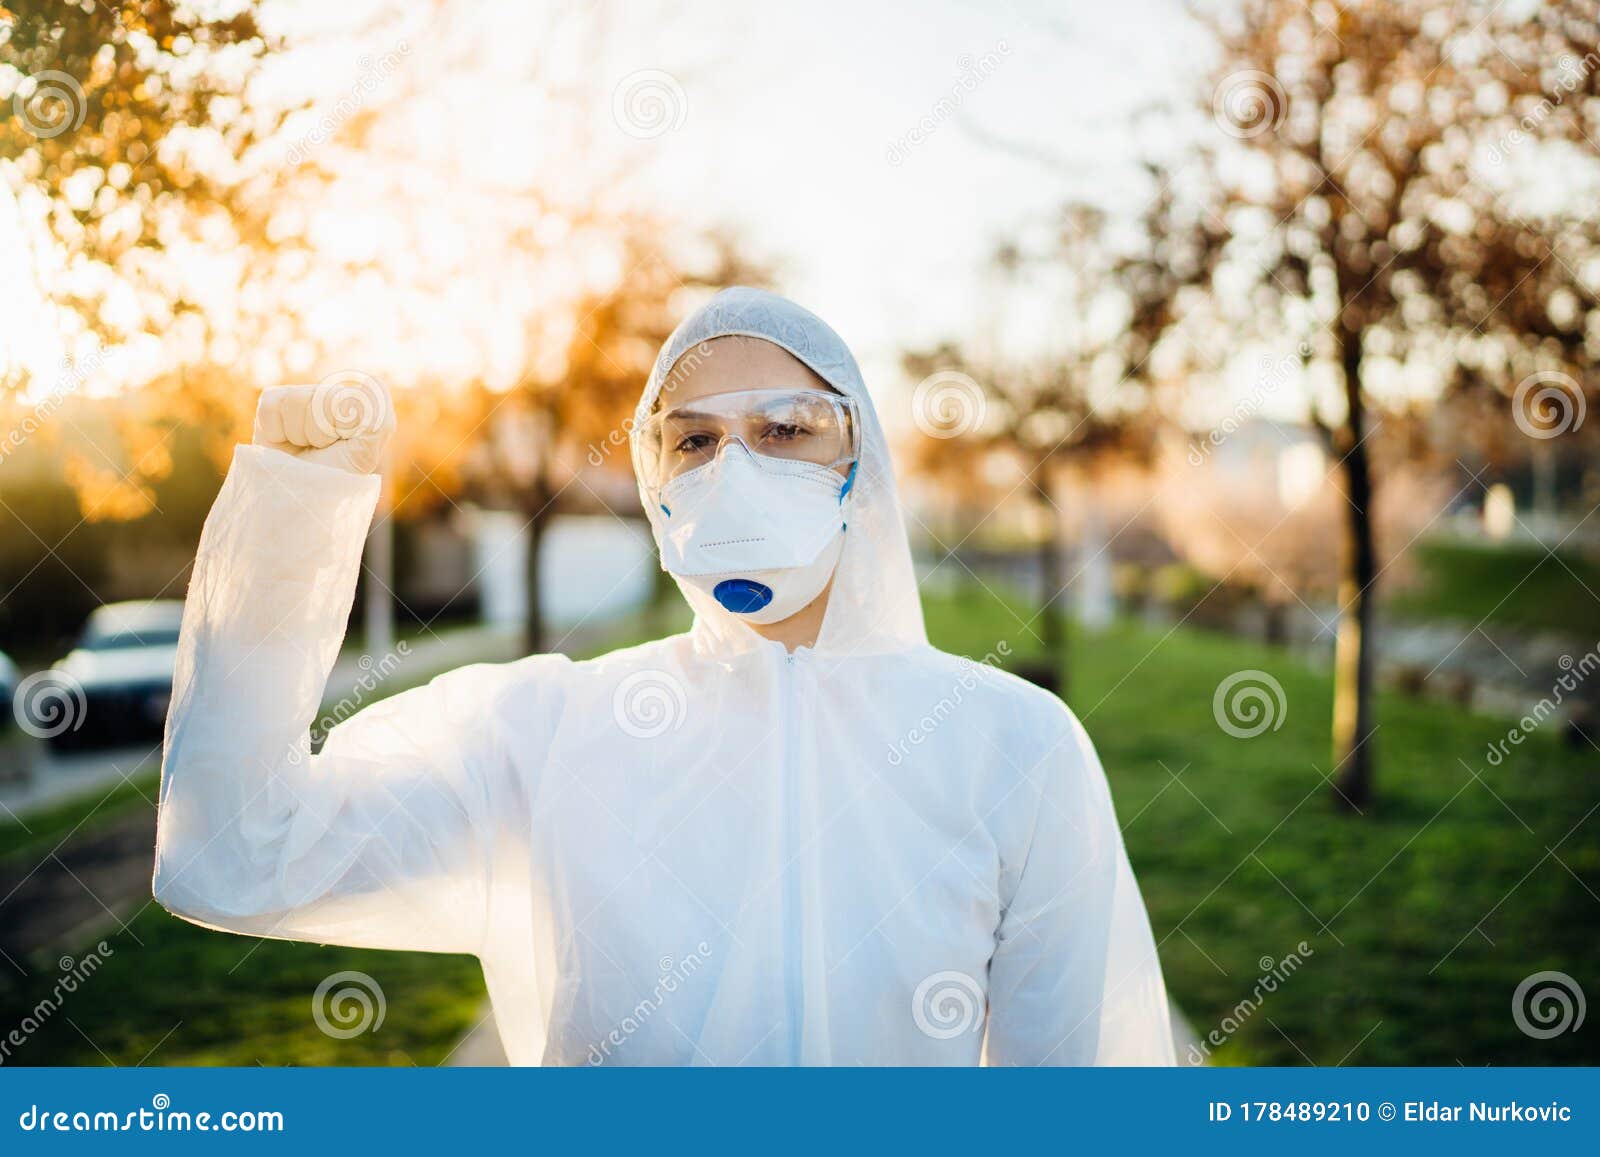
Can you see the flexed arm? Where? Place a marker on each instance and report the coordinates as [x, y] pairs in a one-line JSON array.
[[377, 841]]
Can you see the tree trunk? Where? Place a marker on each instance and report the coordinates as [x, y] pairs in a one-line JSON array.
[[538, 512], [1353, 653], [1053, 628], [378, 598]]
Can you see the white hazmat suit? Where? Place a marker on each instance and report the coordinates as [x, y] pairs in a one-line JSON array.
[[701, 850]]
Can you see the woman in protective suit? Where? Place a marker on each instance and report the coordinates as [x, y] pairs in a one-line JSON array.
[[797, 834]]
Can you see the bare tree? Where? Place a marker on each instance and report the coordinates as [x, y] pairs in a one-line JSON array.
[[1054, 416], [1370, 193]]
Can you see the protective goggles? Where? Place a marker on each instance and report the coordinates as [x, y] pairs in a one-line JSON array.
[[795, 425]]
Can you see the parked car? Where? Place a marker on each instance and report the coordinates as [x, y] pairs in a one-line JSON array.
[[8, 688], [116, 683]]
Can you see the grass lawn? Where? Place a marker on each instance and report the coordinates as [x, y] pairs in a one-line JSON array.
[[1513, 585], [1421, 918], [170, 993], [44, 830]]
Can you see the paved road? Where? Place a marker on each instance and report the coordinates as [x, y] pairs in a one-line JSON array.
[[94, 882], [56, 778], [85, 888]]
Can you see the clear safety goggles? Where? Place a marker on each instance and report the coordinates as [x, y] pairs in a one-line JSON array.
[[795, 425]]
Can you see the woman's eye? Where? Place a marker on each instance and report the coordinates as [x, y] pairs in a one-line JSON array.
[[694, 443], [784, 432]]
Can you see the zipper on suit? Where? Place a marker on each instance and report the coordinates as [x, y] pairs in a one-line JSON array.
[[794, 984]]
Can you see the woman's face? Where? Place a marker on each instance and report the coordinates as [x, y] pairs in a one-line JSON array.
[[729, 365]]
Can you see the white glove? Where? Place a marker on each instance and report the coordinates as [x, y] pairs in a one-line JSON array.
[[344, 421]]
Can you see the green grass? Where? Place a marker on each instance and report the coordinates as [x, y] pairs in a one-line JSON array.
[[169, 993], [80, 812], [1516, 586], [1422, 916]]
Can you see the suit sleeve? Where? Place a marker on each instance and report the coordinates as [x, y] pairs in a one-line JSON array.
[[1075, 979], [381, 840]]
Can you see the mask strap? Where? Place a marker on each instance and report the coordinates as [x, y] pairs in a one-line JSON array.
[[849, 481]]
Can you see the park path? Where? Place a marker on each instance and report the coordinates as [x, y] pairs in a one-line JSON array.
[[96, 877], [55, 779]]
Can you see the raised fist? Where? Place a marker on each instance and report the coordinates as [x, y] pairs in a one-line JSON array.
[[343, 421]]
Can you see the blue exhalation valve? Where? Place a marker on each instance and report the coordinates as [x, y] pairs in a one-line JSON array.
[[742, 596]]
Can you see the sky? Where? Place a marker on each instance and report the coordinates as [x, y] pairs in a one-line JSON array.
[[826, 134], [875, 154]]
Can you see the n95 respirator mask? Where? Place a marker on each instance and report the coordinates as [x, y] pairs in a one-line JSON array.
[[760, 535]]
